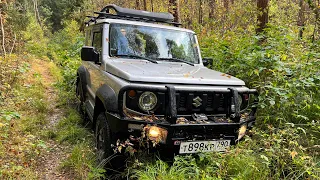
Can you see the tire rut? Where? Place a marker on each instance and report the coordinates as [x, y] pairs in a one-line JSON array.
[[49, 161]]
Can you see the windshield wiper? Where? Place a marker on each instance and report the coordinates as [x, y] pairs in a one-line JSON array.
[[178, 60], [137, 56]]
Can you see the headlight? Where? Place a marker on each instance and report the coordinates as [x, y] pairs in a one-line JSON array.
[[157, 134], [147, 101]]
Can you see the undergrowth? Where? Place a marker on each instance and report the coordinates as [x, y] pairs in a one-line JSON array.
[[81, 160], [22, 117], [276, 155]]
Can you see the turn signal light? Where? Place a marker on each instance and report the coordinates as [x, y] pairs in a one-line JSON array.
[[132, 93]]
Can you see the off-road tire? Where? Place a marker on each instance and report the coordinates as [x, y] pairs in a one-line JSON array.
[[103, 138], [107, 158], [81, 104]]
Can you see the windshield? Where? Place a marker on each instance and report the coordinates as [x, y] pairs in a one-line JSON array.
[[152, 43]]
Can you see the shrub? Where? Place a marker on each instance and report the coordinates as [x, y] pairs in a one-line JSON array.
[[282, 69]]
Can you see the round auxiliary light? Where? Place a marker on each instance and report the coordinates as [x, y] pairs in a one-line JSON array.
[[147, 101]]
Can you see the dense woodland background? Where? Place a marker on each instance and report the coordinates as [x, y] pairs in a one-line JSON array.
[[273, 45]]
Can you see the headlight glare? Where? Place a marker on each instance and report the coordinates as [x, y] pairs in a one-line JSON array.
[[147, 101], [157, 134]]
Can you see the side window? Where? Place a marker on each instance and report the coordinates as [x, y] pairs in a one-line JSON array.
[[97, 42]]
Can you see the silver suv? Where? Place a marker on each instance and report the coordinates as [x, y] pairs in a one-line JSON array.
[[143, 80]]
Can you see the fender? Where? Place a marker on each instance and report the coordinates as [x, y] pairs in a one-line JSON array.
[[84, 76], [108, 98]]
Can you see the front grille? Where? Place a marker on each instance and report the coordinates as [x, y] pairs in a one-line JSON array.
[[209, 103]]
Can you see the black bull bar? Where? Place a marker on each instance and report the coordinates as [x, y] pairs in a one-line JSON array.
[[171, 114]]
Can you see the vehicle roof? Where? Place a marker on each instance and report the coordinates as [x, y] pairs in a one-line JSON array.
[[139, 23]]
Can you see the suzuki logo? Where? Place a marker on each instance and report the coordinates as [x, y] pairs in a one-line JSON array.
[[197, 101]]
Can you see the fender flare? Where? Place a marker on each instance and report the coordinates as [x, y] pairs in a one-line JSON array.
[[84, 76], [108, 98]]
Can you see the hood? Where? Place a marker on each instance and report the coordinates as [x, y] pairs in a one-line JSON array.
[[168, 72]]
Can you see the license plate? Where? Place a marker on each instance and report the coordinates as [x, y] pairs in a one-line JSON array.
[[203, 146]]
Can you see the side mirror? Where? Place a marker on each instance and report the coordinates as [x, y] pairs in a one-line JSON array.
[[89, 53], [206, 61]]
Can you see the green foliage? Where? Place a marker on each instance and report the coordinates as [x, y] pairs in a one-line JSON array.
[[23, 115], [81, 161], [283, 68], [70, 130], [11, 69], [284, 71], [64, 51], [56, 12], [277, 155], [36, 40]]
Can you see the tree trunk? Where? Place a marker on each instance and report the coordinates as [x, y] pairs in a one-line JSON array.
[[315, 7], [316, 24], [263, 17], [318, 17], [36, 12], [3, 36], [212, 6], [138, 4], [152, 5], [226, 4], [145, 5], [301, 18], [174, 9], [200, 11]]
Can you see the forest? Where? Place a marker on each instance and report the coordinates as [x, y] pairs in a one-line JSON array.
[[273, 45]]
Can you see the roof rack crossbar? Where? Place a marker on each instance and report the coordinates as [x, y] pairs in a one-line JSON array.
[[127, 17]]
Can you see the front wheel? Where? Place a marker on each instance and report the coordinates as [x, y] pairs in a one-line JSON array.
[[106, 157], [103, 138]]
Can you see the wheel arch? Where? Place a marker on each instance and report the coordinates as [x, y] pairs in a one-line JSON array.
[[83, 76], [105, 100]]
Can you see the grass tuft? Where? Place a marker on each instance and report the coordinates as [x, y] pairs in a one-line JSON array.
[[70, 129], [82, 162], [33, 123]]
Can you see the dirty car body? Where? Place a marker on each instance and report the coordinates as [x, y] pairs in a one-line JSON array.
[[165, 95]]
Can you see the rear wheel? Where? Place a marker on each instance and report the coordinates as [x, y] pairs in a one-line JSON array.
[[81, 102]]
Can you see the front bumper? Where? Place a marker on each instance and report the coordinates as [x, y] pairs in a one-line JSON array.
[[121, 125], [123, 128]]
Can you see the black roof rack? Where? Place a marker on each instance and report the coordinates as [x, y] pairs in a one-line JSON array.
[[132, 15]]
